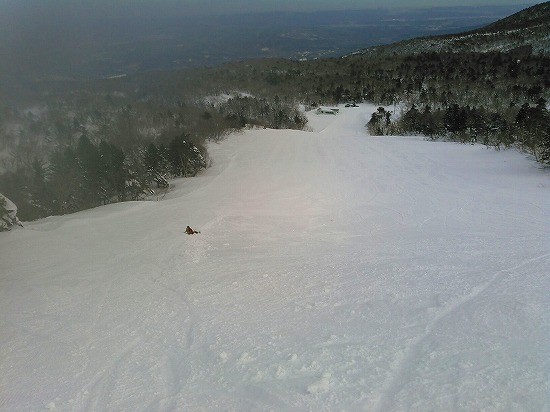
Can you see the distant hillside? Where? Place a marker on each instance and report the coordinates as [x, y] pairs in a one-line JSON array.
[[46, 40], [527, 30]]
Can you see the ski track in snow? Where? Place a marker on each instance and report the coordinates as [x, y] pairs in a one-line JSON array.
[[405, 361], [334, 271]]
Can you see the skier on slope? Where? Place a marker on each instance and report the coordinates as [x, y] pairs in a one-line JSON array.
[[190, 231]]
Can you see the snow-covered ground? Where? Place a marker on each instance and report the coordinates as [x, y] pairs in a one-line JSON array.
[[334, 271]]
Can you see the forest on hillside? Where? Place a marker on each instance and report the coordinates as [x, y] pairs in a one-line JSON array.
[[498, 99], [80, 145], [75, 150]]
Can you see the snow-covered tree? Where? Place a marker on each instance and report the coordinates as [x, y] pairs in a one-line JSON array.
[[8, 214], [185, 158], [380, 122]]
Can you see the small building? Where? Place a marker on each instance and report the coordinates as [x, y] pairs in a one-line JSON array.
[[327, 110]]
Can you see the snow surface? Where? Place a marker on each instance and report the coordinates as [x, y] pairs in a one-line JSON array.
[[334, 271]]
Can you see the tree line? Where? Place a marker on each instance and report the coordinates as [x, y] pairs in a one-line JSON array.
[[83, 149], [88, 174], [494, 98], [527, 127]]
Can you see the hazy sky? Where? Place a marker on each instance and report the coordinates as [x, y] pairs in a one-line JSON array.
[[205, 6], [243, 6], [38, 34]]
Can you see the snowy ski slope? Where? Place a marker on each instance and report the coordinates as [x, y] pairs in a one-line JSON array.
[[334, 271]]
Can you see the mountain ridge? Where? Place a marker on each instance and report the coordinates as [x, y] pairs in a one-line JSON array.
[[528, 29]]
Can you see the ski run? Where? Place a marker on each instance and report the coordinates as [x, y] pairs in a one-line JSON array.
[[334, 271]]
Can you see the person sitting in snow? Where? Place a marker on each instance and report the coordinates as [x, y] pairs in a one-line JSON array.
[[190, 231]]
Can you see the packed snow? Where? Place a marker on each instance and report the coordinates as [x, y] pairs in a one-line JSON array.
[[334, 271]]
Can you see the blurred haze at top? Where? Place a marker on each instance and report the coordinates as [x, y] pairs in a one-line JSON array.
[[194, 7], [56, 39]]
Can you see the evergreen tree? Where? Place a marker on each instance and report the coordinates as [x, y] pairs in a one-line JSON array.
[[380, 122], [410, 121], [185, 158], [545, 145], [455, 119], [152, 159], [40, 193], [138, 184], [92, 175], [532, 125], [65, 181], [156, 165], [114, 176], [428, 125]]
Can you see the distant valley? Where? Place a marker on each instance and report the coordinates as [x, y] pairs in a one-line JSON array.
[[73, 46]]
